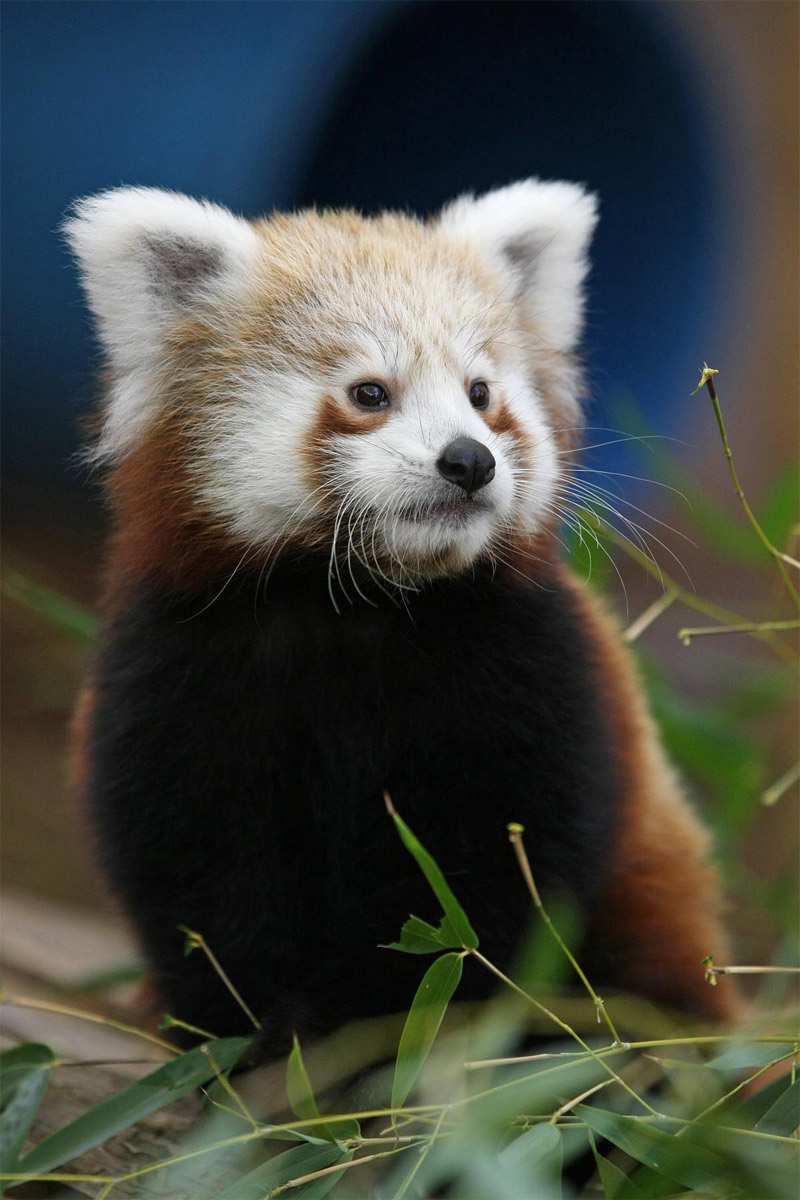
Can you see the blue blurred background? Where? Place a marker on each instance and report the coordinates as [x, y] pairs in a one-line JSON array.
[[682, 115], [385, 104]]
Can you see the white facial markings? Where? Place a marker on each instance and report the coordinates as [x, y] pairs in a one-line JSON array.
[[535, 480], [381, 493], [241, 326], [420, 518], [250, 470]]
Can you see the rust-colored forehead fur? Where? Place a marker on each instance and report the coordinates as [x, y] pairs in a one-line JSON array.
[[330, 284], [330, 281]]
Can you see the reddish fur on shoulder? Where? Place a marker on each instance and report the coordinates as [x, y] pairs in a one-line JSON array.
[[664, 897]]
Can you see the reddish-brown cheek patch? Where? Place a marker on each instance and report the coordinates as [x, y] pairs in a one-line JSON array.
[[336, 418], [500, 419]]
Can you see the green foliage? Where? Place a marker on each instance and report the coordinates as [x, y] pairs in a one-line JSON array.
[[303, 1104], [728, 760], [612, 1180], [58, 610], [424, 1018], [683, 1162], [20, 1062], [183, 1074], [25, 1075], [782, 1117], [278, 1172], [503, 1130], [737, 1058], [537, 1152], [457, 927], [459, 1112], [418, 937]]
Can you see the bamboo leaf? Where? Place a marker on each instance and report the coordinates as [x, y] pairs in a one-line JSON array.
[[777, 512], [17, 1063], [300, 1093], [316, 1189], [423, 1021], [59, 610], [539, 1153], [261, 1183], [304, 1106], [783, 1116], [612, 1179], [18, 1115], [745, 1113], [418, 937], [462, 929], [681, 1160], [644, 1184], [160, 1087], [749, 1054]]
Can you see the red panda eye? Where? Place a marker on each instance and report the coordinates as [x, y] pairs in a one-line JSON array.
[[370, 395], [479, 395]]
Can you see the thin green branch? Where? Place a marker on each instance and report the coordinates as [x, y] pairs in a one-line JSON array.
[[792, 1054], [705, 1040], [564, 1109], [650, 614], [686, 635], [337, 1167], [230, 1090], [598, 1057], [196, 941], [707, 380], [65, 1011], [515, 832], [170, 1022], [781, 786], [404, 1186], [707, 607], [752, 971]]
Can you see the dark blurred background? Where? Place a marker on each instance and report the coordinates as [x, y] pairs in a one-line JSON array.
[[682, 115], [667, 110]]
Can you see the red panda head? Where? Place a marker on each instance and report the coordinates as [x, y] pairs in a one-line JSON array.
[[384, 391]]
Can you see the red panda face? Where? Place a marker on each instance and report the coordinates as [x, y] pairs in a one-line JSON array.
[[389, 393]]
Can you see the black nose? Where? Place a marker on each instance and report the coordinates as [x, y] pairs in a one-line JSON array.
[[467, 464]]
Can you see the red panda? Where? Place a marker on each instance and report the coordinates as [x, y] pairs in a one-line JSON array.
[[336, 449]]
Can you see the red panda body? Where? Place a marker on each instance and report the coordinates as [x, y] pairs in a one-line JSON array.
[[337, 451]]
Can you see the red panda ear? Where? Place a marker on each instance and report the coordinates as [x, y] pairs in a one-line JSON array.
[[147, 255], [539, 233]]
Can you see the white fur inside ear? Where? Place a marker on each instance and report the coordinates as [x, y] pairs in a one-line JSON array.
[[145, 255], [539, 232]]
